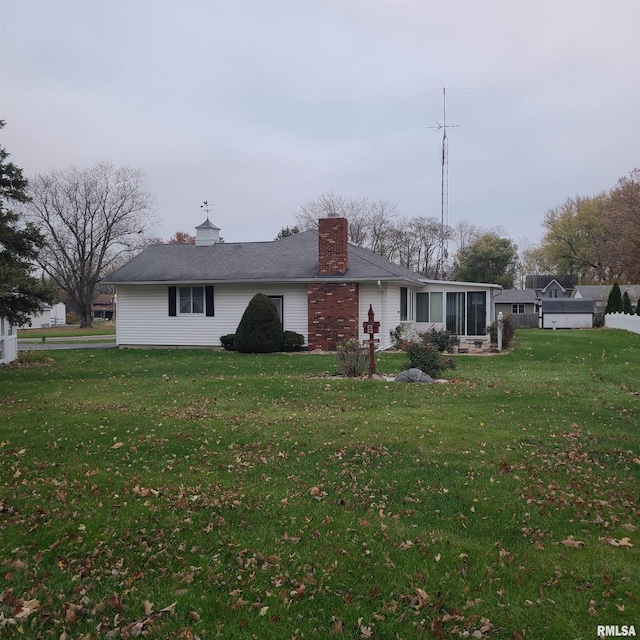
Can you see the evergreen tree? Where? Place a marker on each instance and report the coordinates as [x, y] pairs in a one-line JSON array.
[[638, 308], [626, 304], [21, 293], [614, 302], [260, 329]]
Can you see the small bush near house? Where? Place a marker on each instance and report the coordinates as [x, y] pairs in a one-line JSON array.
[[228, 342], [626, 304], [508, 331], [399, 336], [260, 329], [441, 339], [352, 359], [292, 341], [428, 358]]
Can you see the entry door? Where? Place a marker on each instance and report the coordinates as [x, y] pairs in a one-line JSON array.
[[476, 313]]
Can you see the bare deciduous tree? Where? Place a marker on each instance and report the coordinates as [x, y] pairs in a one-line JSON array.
[[92, 219], [368, 221]]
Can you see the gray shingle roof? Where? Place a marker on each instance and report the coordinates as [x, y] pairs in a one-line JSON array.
[[568, 305], [601, 291], [292, 258], [510, 296]]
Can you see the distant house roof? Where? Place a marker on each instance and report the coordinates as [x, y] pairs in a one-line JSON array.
[[568, 305], [542, 281], [600, 292], [516, 296], [103, 301], [294, 258]]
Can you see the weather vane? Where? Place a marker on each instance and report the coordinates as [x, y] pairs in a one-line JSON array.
[[205, 206]]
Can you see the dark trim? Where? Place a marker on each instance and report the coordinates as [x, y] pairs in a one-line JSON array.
[[208, 297], [172, 302]]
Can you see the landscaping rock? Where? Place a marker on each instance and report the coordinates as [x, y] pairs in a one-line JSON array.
[[414, 375]]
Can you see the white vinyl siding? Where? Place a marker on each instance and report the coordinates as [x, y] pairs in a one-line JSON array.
[[374, 296], [143, 319], [567, 320]]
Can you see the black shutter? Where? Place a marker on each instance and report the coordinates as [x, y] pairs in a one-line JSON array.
[[208, 296], [172, 301]]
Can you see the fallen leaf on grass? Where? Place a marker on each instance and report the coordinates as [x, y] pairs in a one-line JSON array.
[[287, 538], [117, 445], [26, 609], [623, 542], [570, 542], [338, 626]]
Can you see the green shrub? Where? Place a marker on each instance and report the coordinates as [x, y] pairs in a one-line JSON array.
[[614, 301], [260, 329], [427, 358], [508, 331], [228, 342], [352, 359], [35, 357], [441, 339], [626, 304], [292, 341], [399, 336]]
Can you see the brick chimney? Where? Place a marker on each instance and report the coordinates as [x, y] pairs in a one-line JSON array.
[[333, 246]]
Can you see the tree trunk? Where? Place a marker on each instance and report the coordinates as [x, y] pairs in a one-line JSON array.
[[85, 320]]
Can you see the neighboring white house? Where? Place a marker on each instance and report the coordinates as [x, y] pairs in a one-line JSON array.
[[322, 286], [8, 342], [49, 316], [599, 293]]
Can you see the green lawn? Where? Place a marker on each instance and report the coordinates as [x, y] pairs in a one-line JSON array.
[[202, 494], [68, 330]]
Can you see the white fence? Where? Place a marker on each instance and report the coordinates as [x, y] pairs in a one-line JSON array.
[[8, 349], [622, 321]]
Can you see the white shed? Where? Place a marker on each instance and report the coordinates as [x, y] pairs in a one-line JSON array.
[[567, 313]]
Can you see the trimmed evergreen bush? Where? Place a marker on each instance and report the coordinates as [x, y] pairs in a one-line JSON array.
[[292, 341], [428, 359], [260, 329], [352, 359], [638, 308], [614, 301], [626, 304], [228, 342]]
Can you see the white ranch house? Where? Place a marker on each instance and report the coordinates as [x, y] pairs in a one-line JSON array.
[[322, 285]]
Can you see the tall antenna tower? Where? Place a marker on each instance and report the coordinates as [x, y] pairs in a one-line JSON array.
[[444, 200]]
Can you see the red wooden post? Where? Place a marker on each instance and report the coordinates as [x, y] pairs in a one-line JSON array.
[[371, 327]]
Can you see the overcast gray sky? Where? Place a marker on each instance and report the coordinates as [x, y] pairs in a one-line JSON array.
[[259, 106]]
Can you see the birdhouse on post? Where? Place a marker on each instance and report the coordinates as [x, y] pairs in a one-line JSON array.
[[371, 327]]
